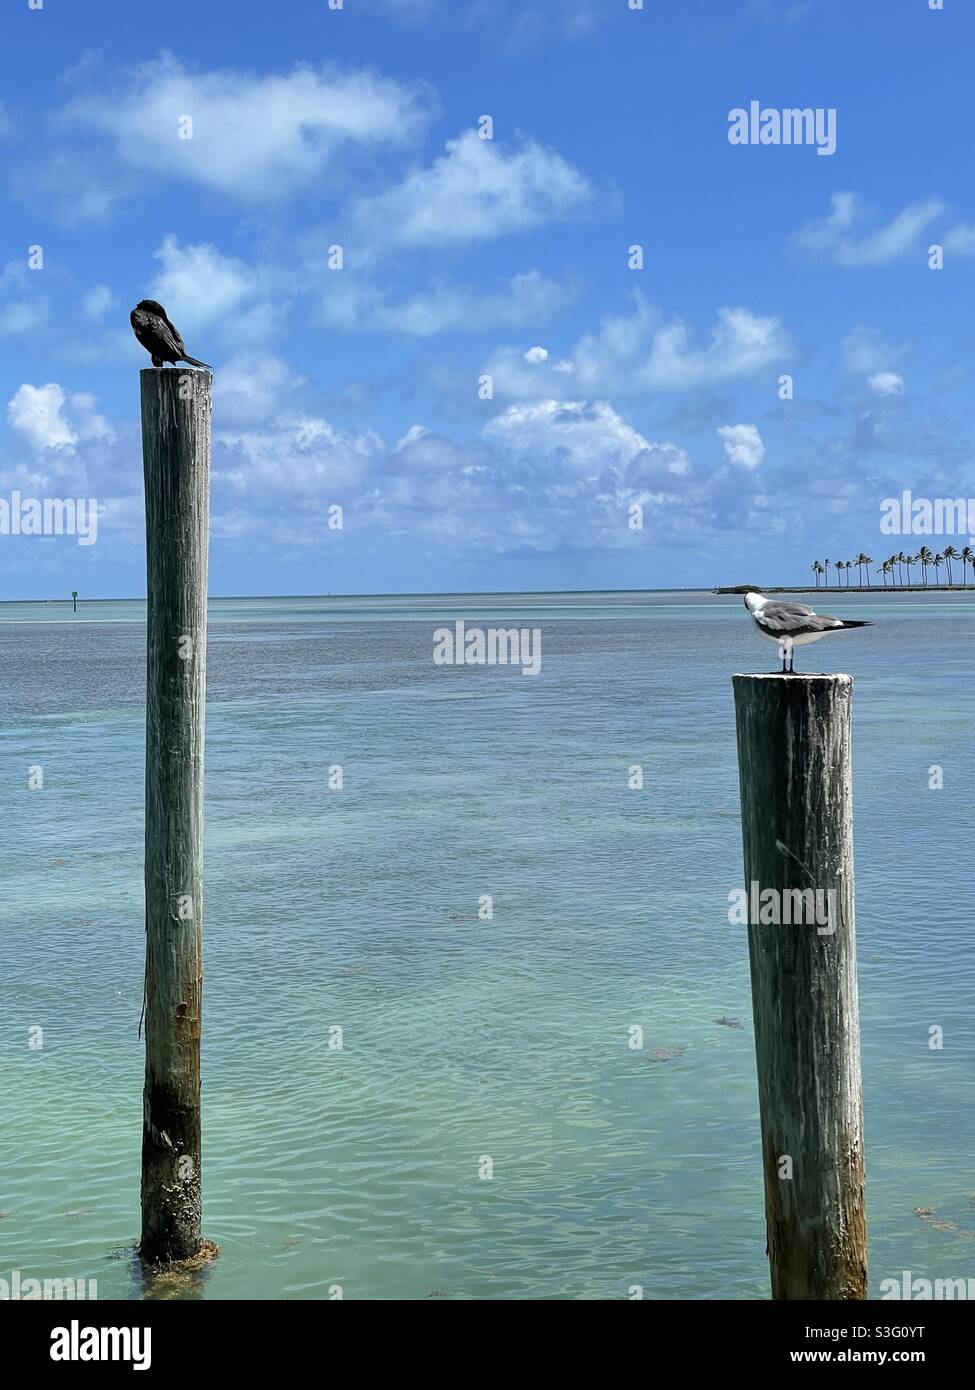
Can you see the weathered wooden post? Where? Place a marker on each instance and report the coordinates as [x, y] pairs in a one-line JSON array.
[[74, 600], [176, 458], [797, 833]]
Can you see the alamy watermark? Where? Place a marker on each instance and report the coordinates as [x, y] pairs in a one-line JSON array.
[[908, 515], [913, 1289], [493, 646], [15, 1289], [787, 907], [791, 126], [49, 516]]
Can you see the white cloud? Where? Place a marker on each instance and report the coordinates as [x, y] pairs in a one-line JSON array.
[[839, 237], [743, 445], [886, 384], [582, 436], [249, 388], [200, 287], [477, 191], [255, 136], [527, 298], [51, 418], [296, 456], [643, 351], [865, 352], [740, 344], [536, 354], [960, 240], [412, 436]]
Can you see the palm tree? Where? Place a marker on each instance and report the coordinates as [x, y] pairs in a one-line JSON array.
[[938, 561], [967, 558], [817, 570], [902, 560], [863, 563], [838, 567], [926, 559], [909, 560], [950, 554], [826, 571], [884, 570]]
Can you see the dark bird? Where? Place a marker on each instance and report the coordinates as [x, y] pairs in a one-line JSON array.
[[158, 336], [792, 625]]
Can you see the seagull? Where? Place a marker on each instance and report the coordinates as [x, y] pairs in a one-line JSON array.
[[792, 624], [157, 335]]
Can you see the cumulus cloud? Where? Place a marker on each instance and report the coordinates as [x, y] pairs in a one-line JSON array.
[[743, 445], [536, 354], [254, 136], [199, 287], [840, 237], [296, 456], [886, 384], [539, 476], [49, 417], [586, 437], [739, 344], [527, 298], [250, 388], [643, 351], [478, 191]]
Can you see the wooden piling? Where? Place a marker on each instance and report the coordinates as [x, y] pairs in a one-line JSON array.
[[797, 833], [176, 405]]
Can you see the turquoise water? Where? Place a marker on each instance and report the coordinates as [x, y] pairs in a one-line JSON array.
[[465, 1038]]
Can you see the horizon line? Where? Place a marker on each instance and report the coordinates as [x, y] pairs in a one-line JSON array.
[[716, 589]]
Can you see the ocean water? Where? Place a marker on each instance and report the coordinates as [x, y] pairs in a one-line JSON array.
[[467, 1039]]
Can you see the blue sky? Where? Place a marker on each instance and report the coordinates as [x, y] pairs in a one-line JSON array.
[[506, 258]]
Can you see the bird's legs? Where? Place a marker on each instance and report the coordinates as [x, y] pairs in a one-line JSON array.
[[787, 652]]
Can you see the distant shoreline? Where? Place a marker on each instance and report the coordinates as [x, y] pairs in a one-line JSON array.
[[854, 589], [723, 589]]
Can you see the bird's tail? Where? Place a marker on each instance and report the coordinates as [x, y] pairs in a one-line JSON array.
[[852, 622], [194, 363]]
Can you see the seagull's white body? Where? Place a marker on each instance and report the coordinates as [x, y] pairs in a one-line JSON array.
[[792, 625]]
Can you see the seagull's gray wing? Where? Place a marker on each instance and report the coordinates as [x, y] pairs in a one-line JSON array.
[[798, 610], [793, 619]]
